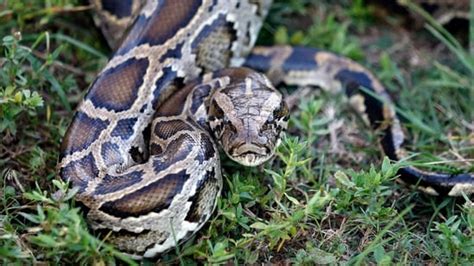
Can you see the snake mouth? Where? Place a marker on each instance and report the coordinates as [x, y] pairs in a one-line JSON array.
[[250, 154], [251, 159]]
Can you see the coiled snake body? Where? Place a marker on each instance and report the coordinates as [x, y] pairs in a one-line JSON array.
[[141, 147]]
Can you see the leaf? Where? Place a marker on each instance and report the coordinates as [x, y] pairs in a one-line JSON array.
[[343, 179], [259, 225]]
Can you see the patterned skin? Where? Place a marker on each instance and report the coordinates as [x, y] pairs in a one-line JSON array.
[[141, 147]]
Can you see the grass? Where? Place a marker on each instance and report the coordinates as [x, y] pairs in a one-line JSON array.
[[328, 197]]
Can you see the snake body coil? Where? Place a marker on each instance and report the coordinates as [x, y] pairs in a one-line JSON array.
[[141, 147]]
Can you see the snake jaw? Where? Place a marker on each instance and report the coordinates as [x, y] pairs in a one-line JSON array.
[[249, 154], [251, 159]]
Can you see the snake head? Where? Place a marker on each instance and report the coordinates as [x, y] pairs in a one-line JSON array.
[[247, 118]]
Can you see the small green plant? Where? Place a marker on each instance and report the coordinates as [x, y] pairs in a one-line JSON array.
[[16, 95], [325, 33], [290, 152], [310, 205], [366, 189], [362, 13], [59, 230], [456, 236]]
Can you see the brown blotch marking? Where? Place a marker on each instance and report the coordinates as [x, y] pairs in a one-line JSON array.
[[81, 133], [155, 197], [175, 102], [162, 25], [111, 184], [167, 129], [80, 172], [176, 151], [117, 88]]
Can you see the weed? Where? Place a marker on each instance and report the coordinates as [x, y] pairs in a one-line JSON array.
[[316, 202]]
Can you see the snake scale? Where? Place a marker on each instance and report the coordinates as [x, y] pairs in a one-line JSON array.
[[141, 148]]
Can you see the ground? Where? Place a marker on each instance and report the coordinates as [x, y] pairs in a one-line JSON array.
[[328, 197]]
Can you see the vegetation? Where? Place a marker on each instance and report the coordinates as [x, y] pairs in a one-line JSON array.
[[328, 197]]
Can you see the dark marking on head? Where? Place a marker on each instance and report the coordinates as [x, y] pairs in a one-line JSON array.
[[80, 172], [215, 111], [111, 184], [217, 127], [162, 25], [120, 9], [124, 128], [111, 154], [81, 133], [154, 197], [219, 120], [116, 89]]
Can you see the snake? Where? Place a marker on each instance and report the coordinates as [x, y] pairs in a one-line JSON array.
[[185, 82]]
